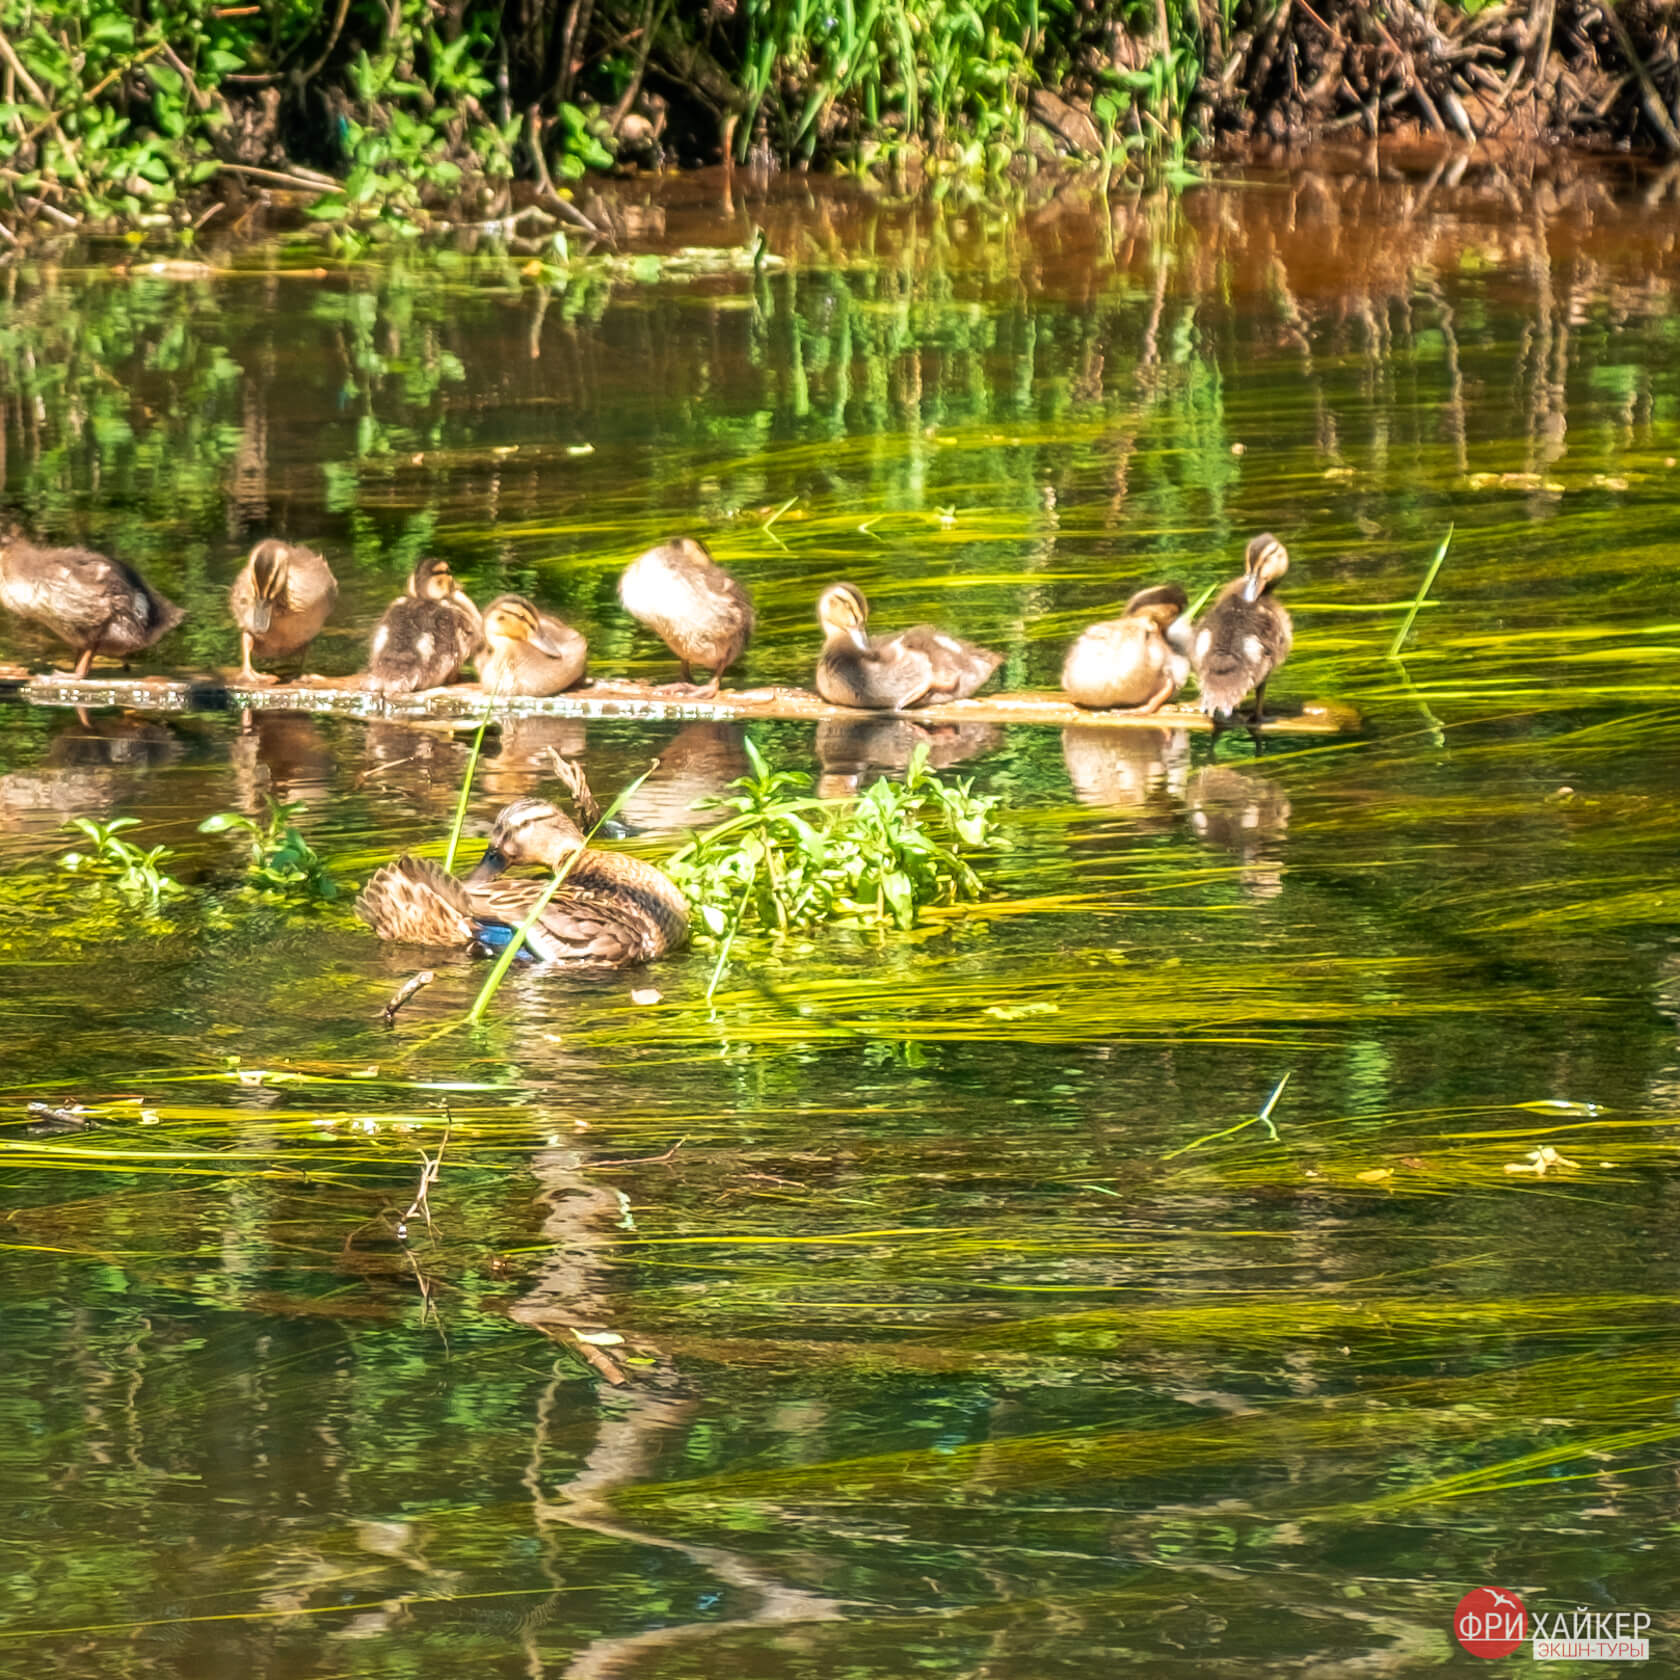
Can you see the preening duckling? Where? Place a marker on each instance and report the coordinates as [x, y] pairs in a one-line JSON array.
[[280, 601], [94, 603], [528, 651], [1130, 661], [426, 635], [1242, 639], [693, 605], [920, 666]]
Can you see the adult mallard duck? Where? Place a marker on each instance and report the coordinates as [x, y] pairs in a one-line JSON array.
[[528, 652], [280, 601], [94, 603], [1130, 661], [426, 635], [916, 667], [693, 605], [1241, 640], [611, 911]]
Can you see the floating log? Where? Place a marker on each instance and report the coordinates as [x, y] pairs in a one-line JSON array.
[[467, 703]]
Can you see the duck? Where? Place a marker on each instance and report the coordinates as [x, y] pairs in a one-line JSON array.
[[1130, 661], [528, 651], [611, 911], [280, 601], [920, 666], [1241, 640], [426, 635], [680, 593], [94, 603]]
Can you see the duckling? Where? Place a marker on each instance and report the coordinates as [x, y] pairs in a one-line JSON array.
[[1130, 661], [920, 666], [1243, 638], [529, 652], [426, 635], [611, 911], [280, 601], [693, 605], [96, 604]]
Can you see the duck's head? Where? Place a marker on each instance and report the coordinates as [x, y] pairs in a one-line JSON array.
[[1265, 562], [432, 580], [528, 831], [1160, 604], [511, 619], [842, 611], [271, 565]]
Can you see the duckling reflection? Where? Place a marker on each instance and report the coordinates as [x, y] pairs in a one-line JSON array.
[[89, 766], [849, 748], [526, 753], [697, 763], [1135, 770], [1246, 815], [283, 755], [425, 763]]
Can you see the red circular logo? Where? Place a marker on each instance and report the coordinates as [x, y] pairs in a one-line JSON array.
[[1489, 1622]]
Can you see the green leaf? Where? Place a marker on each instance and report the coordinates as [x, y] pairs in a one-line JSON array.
[[110, 29], [164, 78]]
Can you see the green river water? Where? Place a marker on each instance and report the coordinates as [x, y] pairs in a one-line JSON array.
[[944, 1355]]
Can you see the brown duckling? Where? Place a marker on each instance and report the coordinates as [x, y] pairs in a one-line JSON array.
[[94, 603], [693, 605], [920, 666], [1241, 640], [280, 601], [528, 651], [426, 635], [1130, 661]]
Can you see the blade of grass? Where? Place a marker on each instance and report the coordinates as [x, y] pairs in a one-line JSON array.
[[466, 790], [1263, 1118], [1405, 629], [517, 943]]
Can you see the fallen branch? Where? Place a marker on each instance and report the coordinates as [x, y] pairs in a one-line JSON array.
[[421, 1204], [414, 983], [643, 1160], [296, 179]]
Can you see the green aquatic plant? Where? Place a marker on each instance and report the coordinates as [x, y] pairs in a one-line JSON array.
[[787, 861], [136, 874], [280, 861]]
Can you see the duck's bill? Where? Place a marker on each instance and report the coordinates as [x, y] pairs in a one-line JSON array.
[[489, 867]]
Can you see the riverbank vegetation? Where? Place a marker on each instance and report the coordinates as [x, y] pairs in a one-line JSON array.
[[114, 112]]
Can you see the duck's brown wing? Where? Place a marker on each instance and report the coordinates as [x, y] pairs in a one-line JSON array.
[[417, 903], [87, 599]]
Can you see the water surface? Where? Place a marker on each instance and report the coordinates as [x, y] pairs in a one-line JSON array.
[[954, 1339]]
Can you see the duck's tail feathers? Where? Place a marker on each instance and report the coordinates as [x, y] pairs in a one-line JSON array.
[[416, 902]]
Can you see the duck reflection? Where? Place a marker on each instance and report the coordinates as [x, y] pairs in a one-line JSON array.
[[282, 755], [1246, 815], [848, 749], [696, 764], [424, 762], [1136, 770], [529, 746], [90, 765]]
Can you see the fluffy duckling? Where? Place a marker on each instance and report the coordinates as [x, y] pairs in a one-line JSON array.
[[1243, 638], [1130, 661], [920, 666], [693, 605], [94, 603], [426, 634], [280, 601], [528, 652]]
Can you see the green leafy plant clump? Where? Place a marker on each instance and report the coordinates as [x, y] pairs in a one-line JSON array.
[[787, 861], [280, 861], [137, 875]]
